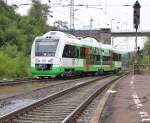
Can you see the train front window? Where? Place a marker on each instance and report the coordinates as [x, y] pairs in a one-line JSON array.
[[46, 47]]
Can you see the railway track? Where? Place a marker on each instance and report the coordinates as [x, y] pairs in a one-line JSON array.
[[93, 112], [63, 106], [21, 99], [30, 79], [17, 81], [21, 81], [27, 80], [53, 84]]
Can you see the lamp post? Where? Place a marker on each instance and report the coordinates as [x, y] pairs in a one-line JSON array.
[[112, 39], [111, 24]]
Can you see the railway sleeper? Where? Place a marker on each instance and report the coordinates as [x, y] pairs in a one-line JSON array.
[[23, 121], [67, 101], [54, 110], [22, 118], [65, 105], [73, 102], [38, 120], [57, 109], [56, 122], [61, 105], [35, 119], [48, 112], [42, 115], [30, 121]]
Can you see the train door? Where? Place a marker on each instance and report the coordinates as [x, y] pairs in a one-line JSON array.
[[87, 57]]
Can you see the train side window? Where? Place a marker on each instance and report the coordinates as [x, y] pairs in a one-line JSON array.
[[65, 52], [72, 51], [94, 59], [97, 51], [97, 59], [119, 57], [69, 51], [114, 57], [91, 58], [106, 60], [77, 52], [82, 52]]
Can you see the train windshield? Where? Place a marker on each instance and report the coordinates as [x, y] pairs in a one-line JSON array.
[[45, 47]]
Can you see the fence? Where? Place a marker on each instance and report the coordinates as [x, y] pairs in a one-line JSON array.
[[141, 68]]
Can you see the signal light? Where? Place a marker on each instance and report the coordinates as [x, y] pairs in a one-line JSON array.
[[136, 14]]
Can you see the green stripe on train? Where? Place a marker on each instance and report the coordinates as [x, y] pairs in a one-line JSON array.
[[54, 71]]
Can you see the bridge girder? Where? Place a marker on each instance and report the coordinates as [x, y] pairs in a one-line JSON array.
[[104, 35], [130, 34]]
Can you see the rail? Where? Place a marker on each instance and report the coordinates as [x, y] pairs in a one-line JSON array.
[[70, 118], [40, 104], [31, 79], [13, 115]]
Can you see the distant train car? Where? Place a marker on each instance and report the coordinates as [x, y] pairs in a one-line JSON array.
[[60, 54], [117, 58], [93, 55], [111, 59]]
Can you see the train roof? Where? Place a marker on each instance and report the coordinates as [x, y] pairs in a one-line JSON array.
[[58, 34], [107, 46], [90, 42], [64, 37]]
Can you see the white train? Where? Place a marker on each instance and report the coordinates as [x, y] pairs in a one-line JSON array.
[[59, 54]]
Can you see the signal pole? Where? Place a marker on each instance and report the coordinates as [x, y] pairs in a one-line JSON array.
[[136, 22]]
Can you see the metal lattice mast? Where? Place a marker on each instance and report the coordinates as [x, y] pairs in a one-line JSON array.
[[71, 14]]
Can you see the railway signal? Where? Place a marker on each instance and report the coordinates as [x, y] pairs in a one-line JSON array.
[[136, 14], [136, 22]]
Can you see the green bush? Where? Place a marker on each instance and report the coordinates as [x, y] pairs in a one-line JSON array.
[[16, 36], [13, 64]]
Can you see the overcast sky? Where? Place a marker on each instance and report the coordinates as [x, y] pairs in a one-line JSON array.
[[107, 13]]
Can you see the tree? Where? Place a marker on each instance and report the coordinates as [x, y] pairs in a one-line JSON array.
[[16, 36], [146, 48], [146, 52], [39, 12], [60, 24]]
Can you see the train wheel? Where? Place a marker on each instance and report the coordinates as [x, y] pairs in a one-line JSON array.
[[61, 76]]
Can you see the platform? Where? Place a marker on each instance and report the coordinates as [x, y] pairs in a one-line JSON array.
[[130, 103]]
